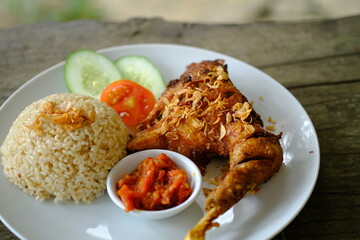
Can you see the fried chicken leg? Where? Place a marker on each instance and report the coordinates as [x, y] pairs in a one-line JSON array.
[[203, 115]]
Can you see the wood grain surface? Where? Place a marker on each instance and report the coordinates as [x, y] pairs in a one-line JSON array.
[[318, 61]]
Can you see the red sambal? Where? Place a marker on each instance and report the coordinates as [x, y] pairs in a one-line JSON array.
[[156, 184]]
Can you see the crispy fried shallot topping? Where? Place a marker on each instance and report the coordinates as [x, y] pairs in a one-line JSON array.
[[195, 105], [64, 115]]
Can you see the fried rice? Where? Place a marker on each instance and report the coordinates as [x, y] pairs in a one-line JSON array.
[[63, 147]]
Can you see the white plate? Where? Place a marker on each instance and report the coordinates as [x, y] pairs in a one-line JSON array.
[[257, 216]]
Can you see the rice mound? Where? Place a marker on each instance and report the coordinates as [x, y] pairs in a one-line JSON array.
[[63, 146]]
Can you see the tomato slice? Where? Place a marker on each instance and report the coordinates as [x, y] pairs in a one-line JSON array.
[[130, 100]]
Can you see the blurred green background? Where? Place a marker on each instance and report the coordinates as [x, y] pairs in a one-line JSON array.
[[18, 12]]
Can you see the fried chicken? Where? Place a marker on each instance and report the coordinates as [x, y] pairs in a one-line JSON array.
[[202, 115]]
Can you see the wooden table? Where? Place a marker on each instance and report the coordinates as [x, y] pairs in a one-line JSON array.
[[318, 61]]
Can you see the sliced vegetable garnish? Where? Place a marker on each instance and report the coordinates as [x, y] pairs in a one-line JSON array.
[[130, 100], [142, 71], [88, 72]]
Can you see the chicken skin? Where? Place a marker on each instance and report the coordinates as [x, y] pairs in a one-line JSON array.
[[203, 115]]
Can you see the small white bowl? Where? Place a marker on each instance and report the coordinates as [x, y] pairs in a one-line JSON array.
[[129, 163]]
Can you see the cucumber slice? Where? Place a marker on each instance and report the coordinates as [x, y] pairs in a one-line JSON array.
[[141, 70], [88, 72]]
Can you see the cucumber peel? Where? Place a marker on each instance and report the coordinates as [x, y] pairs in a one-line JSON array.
[[142, 71], [88, 72]]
